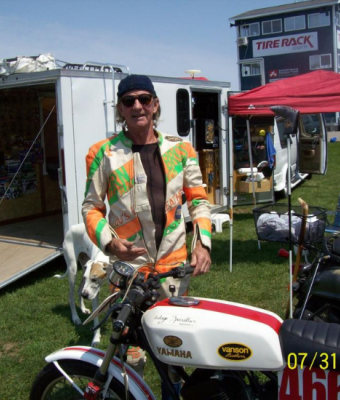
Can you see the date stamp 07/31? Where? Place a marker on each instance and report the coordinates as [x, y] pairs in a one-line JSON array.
[[319, 360]]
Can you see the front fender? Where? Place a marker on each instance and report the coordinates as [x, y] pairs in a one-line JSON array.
[[138, 388]]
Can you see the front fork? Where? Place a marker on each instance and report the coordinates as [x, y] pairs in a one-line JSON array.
[[101, 380], [92, 390], [320, 260], [56, 364]]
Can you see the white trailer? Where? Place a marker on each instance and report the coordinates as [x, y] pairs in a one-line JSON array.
[[49, 119]]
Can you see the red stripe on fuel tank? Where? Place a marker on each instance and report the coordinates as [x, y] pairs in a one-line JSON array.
[[237, 311]]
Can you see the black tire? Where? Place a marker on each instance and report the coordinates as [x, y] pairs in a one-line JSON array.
[[50, 384]]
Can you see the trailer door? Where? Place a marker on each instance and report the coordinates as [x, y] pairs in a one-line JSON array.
[[253, 160], [31, 231], [206, 138], [312, 144]]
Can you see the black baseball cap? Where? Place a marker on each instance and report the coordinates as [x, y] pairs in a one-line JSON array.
[[135, 82]]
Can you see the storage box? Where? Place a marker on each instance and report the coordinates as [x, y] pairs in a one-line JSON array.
[[261, 186]]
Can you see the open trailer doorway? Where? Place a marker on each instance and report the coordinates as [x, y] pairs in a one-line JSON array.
[[31, 230]]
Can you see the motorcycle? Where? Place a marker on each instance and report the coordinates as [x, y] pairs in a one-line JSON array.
[[234, 351], [318, 283]]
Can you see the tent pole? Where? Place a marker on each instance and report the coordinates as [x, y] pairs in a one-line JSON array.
[[251, 160], [231, 192], [290, 117], [290, 228]]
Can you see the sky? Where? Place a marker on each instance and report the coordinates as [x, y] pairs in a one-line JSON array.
[[154, 37]]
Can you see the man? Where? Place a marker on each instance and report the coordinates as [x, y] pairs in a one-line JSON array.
[[145, 200], [143, 174]]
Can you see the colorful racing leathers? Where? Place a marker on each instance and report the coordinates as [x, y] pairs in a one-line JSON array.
[[115, 172]]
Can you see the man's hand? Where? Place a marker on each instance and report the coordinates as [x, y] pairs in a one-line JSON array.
[[124, 250], [200, 259]]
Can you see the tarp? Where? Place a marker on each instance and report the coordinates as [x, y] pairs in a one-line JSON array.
[[314, 92], [43, 62]]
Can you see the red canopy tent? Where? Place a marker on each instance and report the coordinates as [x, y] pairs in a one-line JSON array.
[[314, 92]]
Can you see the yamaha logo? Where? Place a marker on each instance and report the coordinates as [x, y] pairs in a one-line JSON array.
[[234, 352], [172, 341]]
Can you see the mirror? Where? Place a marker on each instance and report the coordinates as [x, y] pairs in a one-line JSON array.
[[290, 117]]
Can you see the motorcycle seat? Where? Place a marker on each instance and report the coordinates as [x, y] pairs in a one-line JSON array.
[[311, 342]]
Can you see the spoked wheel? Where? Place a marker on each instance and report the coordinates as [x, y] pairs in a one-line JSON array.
[[50, 384]]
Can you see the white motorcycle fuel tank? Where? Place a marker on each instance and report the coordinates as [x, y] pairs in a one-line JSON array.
[[214, 334]]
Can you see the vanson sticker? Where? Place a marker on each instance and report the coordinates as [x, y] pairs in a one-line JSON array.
[[172, 341], [234, 352]]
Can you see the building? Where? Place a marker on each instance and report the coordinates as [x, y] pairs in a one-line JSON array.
[[284, 41]]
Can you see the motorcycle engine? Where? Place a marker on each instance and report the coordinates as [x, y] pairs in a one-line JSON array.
[[210, 385]]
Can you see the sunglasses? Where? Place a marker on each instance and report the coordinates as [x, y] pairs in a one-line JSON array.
[[144, 99]]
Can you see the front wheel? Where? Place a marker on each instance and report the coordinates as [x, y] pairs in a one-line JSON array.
[[50, 384]]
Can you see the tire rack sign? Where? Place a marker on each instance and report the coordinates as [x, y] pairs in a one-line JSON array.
[[286, 44]]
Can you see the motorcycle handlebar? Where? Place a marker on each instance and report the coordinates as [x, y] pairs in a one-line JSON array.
[[177, 272], [137, 297]]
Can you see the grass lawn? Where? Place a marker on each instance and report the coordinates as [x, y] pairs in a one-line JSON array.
[[35, 315]]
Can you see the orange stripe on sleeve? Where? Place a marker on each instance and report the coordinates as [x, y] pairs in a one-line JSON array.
[[204, 223], [92, 219], [93, 151], [197, 193]]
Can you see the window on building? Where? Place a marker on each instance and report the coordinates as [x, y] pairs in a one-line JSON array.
[[251, 69], [273, 26], [319, 19], [250, 29], [320, 61], [295, 23], [338, 62]]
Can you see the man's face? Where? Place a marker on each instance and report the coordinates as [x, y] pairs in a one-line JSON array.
[[138, 115]]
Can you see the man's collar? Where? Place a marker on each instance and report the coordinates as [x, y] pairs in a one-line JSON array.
[[128, 143]]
